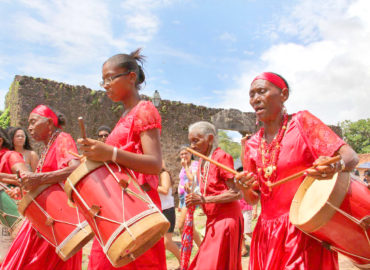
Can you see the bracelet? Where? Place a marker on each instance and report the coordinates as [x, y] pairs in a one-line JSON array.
[[114, 154]]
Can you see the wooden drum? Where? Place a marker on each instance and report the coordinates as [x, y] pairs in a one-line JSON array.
[[61, 225], [337, 213], [125, 220]]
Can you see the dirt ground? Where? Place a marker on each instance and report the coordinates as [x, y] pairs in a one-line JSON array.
[[200, 220]]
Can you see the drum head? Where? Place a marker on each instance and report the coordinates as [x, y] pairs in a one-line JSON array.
[[310, 207]]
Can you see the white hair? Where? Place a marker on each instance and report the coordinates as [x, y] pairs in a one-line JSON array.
[[205, 128]]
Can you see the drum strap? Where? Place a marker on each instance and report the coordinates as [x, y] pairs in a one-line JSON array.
[[353, 219]]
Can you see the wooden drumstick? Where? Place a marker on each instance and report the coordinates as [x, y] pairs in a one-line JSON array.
[[20, 182], [211, 160], [75, 154], [82, 127], [299, 174]]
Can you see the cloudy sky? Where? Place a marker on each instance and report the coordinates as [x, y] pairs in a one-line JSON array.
[[204, 52]]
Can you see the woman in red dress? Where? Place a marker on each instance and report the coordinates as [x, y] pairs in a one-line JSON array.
[[221, 246], [10, 161], [134, 143], [283, 146], [29, 251]]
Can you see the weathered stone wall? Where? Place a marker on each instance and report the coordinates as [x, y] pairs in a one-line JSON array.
[[97, 109]]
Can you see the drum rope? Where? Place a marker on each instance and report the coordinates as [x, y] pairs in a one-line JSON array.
[[4, 214], [353, 219], [71, 235], [78, 194], [124, 217], [335, 248]]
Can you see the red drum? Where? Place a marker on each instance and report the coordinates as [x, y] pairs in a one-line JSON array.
[[61, 225], [126, 222], [337, 213]]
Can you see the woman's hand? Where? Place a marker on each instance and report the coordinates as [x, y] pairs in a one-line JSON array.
[[14, 193], [323, 171], [184, 163], [244, 180], [30, 180], [95, 150], [194, 199]]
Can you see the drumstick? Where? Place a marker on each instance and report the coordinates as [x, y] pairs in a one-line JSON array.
[[4, 186], [82, 127], [211, 160], [299, 174], [20, 181], [75, 154]]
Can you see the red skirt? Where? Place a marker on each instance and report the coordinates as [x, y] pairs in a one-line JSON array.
[[221, 246], [31, 252], [277, 244]]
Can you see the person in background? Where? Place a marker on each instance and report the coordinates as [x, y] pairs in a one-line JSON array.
[[187, 176], [221, 246], [103, 133], [21, 144], [367, 176], [168, 208]]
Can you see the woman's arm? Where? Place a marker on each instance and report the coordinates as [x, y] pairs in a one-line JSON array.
[[164, 183], [34, 161], [150, 162], [232, 194], [31, 180]]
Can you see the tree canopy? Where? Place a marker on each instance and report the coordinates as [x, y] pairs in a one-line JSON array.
[[228, 145], [357, 134]]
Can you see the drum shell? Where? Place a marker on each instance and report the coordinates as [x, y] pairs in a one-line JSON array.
[[94, 185], [335, 226], [67, 238]]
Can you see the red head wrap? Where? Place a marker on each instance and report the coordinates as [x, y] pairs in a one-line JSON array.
[[45, 111], [272, 78]]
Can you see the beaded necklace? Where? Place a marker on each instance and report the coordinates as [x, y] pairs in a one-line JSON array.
[[46, 150], [268, 154], [204, 176]]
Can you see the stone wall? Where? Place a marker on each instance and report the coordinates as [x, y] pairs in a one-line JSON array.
[[97, 109]]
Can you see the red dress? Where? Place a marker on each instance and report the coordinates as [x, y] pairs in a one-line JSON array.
[[276, 243], [8, 159], [221, 246], [30, 251], [126, 135]]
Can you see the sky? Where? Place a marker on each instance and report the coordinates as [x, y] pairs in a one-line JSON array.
[[202, 52]]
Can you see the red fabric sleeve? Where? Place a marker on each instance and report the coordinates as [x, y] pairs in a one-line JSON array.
[[146, 117], [14, 158], [65, 143], [226, 159], [321, 140]]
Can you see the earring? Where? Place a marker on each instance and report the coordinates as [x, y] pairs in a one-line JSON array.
[[257, 122]]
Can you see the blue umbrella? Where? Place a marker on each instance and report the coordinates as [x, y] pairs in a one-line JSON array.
[[365, 165]]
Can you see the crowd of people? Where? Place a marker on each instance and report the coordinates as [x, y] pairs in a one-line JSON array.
[[284, 144]]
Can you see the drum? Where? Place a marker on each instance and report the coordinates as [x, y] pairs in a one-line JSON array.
[[62, 226], [9, 216], [337, 213], [125, 220]]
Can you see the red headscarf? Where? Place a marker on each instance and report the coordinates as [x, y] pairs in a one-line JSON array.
[[45, 111], [272, 78]]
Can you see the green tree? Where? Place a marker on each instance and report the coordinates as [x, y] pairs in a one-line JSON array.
[[228, 145], [357, 134], [5, 118]]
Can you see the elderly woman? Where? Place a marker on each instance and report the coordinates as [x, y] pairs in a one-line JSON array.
[[221, 246], [29, 251], [283, 146]]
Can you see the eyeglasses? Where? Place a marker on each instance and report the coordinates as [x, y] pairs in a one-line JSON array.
[[103, 135], [109, 80]]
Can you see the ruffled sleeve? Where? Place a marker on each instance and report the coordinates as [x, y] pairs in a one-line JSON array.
[[321, 140], [146, 117], [64, 145]]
